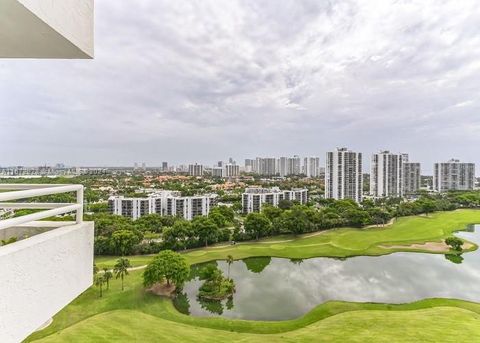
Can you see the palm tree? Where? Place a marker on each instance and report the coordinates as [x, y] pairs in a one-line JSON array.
[[121, 268], [99, 281], [107, 275], [229, 262]]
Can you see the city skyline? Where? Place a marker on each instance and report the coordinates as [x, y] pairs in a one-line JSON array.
[[194, 81]]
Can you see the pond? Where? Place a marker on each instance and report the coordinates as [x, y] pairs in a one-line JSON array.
[[280, 289]]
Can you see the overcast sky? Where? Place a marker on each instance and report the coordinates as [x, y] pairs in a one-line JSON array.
[[185, 81]]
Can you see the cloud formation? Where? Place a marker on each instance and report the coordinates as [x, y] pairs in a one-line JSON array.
[[201, 81]]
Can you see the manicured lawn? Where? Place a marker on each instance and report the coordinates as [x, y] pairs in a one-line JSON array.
[[442, 323], [136, 316]]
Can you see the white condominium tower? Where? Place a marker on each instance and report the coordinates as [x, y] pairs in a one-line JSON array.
[[265, 166], [386, 174], [411, 177], [228, 170], [254, 197], [311, 166], [343, 175], [164, 203], [195, 169], [453, 175], [289, 166]]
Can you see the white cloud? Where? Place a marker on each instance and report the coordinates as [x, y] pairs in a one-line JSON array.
[[189, 80]]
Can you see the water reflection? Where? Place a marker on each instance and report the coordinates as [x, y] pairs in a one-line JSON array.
[[257, 264], [279, 289]]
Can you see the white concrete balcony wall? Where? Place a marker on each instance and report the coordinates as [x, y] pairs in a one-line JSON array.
[[49, 266], [41, 274], [46, 28]]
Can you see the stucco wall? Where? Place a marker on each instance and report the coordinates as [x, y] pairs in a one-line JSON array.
[[41, 275]]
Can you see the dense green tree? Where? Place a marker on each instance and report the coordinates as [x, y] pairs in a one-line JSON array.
[[357, 217], [169, 266], [150, 222], [455, 243], [271, 212], [218, 219], [205, 229], [285, 204], [295, 221], [227, 212], [427, 205], [257, 224], [179, 235], [123, 241]]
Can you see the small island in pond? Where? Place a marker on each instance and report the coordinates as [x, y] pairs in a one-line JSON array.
[[216, 286]]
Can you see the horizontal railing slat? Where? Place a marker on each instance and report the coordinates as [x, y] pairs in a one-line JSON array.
[[24, 191]]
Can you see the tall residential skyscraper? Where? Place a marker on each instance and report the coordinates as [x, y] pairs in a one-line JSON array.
[[165, 166], [311, 166], [294, 165], [289, 166], [411, 177], [265, 166], [343, 175], [453, 175], [386, 174], [249, 165]]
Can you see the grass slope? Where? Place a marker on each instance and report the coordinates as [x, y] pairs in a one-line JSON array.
[[440, 324], [149, 318]]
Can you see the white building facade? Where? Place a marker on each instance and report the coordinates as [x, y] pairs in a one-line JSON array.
[[164, 203], [253, 198], [343, 175], [453, 175], [195, 169], [311, 166], [411, 178], [386, 174]]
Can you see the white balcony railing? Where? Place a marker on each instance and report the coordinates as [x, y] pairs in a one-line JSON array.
[[50, 264], [23, 191]]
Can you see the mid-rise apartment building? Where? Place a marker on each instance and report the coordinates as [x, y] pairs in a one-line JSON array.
[[227, 170], [386, 174], [195, 169], [165, 203], [453, 175], [253, 198], [231, 170], [411, 177], [343, 175]]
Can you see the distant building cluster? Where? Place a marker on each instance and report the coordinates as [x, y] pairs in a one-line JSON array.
[[284, 166], [164, 203], [391, 175], [57, 170], [253, 198]]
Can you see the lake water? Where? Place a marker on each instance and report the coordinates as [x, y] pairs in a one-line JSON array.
[[280, 289]]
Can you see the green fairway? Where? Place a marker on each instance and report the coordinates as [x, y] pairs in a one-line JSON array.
[[343, 242], [136, 316]]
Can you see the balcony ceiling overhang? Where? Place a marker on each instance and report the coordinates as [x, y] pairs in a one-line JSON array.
[[46, 29]]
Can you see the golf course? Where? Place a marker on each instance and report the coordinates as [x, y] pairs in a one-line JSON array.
[[134, 315]]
